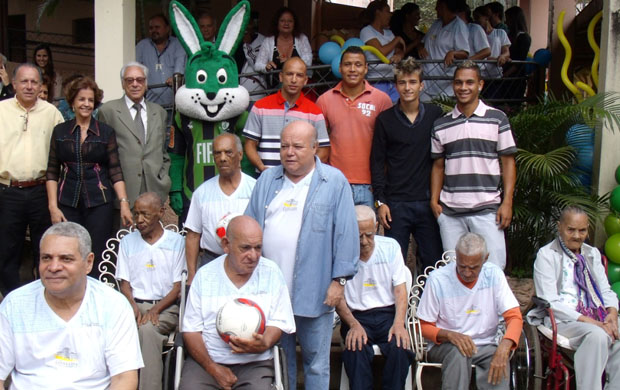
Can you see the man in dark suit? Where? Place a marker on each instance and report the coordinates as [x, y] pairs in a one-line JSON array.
[[141, 135]]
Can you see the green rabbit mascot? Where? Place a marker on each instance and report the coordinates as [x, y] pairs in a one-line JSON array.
[[211, 101]]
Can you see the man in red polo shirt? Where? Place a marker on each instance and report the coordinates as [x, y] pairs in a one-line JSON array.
[[272, 113], [350, 109]]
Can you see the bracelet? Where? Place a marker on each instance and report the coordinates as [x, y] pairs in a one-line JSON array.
[[123, 200]]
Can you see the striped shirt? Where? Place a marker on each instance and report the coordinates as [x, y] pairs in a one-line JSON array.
[[471, 148], [271, 114]]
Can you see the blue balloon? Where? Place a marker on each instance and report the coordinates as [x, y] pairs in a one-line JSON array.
[[353, 42], [585, 156], [580, 135], [542, 57], [328, 51], [336, 67]]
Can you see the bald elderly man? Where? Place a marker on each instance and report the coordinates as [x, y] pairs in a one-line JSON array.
[[306, 210], [240, 273]]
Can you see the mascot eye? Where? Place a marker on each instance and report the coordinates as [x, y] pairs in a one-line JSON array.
[[201, 76], [222, 76]]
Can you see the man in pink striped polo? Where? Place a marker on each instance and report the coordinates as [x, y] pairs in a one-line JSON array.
[[473, 148]]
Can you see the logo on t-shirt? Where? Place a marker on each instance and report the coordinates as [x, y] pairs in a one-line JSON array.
[[204, 153], [473, 310], [366, 108], [150, 265], [66, 358], [290, 205], [370, 282]]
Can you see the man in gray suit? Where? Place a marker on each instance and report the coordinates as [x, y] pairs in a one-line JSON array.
[[141, 135]]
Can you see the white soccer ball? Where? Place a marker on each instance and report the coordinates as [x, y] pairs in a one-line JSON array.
[[240, 317], [222, 225]]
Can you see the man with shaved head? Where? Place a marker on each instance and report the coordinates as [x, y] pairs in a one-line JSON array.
[[240, 273], [227, 193], [306, 210], [271, 114], [149, 266]]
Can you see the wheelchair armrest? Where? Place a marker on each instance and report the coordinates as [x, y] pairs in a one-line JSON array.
[[541, 303], [178, 340]]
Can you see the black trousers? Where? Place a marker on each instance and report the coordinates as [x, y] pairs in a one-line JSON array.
[[20, 208], [98, 221]]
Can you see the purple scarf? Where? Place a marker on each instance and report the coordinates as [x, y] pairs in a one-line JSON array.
[[590, 302]]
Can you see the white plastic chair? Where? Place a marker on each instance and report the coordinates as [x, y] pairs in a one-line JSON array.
[[344, 379]]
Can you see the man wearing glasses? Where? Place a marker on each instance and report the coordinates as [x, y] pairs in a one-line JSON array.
[[27, 124], [141, 135]]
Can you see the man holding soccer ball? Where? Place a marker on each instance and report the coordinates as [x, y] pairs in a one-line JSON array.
[[240, 273]]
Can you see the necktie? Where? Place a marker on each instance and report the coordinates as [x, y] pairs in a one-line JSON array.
[[139, 124]]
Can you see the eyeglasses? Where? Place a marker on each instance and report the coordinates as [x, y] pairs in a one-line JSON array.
[[139, 80]]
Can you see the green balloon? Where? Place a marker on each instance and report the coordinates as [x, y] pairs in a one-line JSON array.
[[616, 288], [612, 225], [612, 248], [614, 199], [613, 273], [618, 174]]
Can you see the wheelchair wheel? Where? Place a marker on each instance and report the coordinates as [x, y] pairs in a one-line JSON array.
[[526, 362]]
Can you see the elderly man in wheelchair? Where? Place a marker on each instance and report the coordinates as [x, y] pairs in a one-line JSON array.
[[570, 276], [460, 313]]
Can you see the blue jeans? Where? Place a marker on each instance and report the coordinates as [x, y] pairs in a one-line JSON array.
[[416, 218], [363, 195], [377, 323], [315, 336]]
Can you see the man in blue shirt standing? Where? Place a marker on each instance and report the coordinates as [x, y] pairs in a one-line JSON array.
[[310, 230], [164, 56]]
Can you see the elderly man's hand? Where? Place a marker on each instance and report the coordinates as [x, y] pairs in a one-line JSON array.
[[499, 364], [356, 337], [464, 343], [257, 344], [151, 315], [222, 375], [400, 334], [335, 293]]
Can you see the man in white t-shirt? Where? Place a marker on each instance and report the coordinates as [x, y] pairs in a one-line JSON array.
[[149, 266], [460, 310], [240, 273], [447, 39], [375, 309], [228, 192], [66, 330]]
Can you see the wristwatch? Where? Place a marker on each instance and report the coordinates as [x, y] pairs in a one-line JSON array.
[[341, 281], [378, 204]]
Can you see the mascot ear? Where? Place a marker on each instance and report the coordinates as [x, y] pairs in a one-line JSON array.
[[230, 34], [185, 28]]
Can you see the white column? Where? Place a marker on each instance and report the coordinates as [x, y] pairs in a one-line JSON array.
[[607, 141], [115, 43]]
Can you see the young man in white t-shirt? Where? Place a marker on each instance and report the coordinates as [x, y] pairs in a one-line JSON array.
[[374, 308], [150, 266], [66, 330], [228, 192], [459, 311], [241, 273]]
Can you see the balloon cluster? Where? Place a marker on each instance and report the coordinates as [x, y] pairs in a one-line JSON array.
[[581, 138], [330, 52], [612, 245]]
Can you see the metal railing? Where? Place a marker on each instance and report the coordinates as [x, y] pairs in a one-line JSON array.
[[526, 86]]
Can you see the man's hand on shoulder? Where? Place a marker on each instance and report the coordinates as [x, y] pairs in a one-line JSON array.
[[356, 337], [499, 364], [385, 217]]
